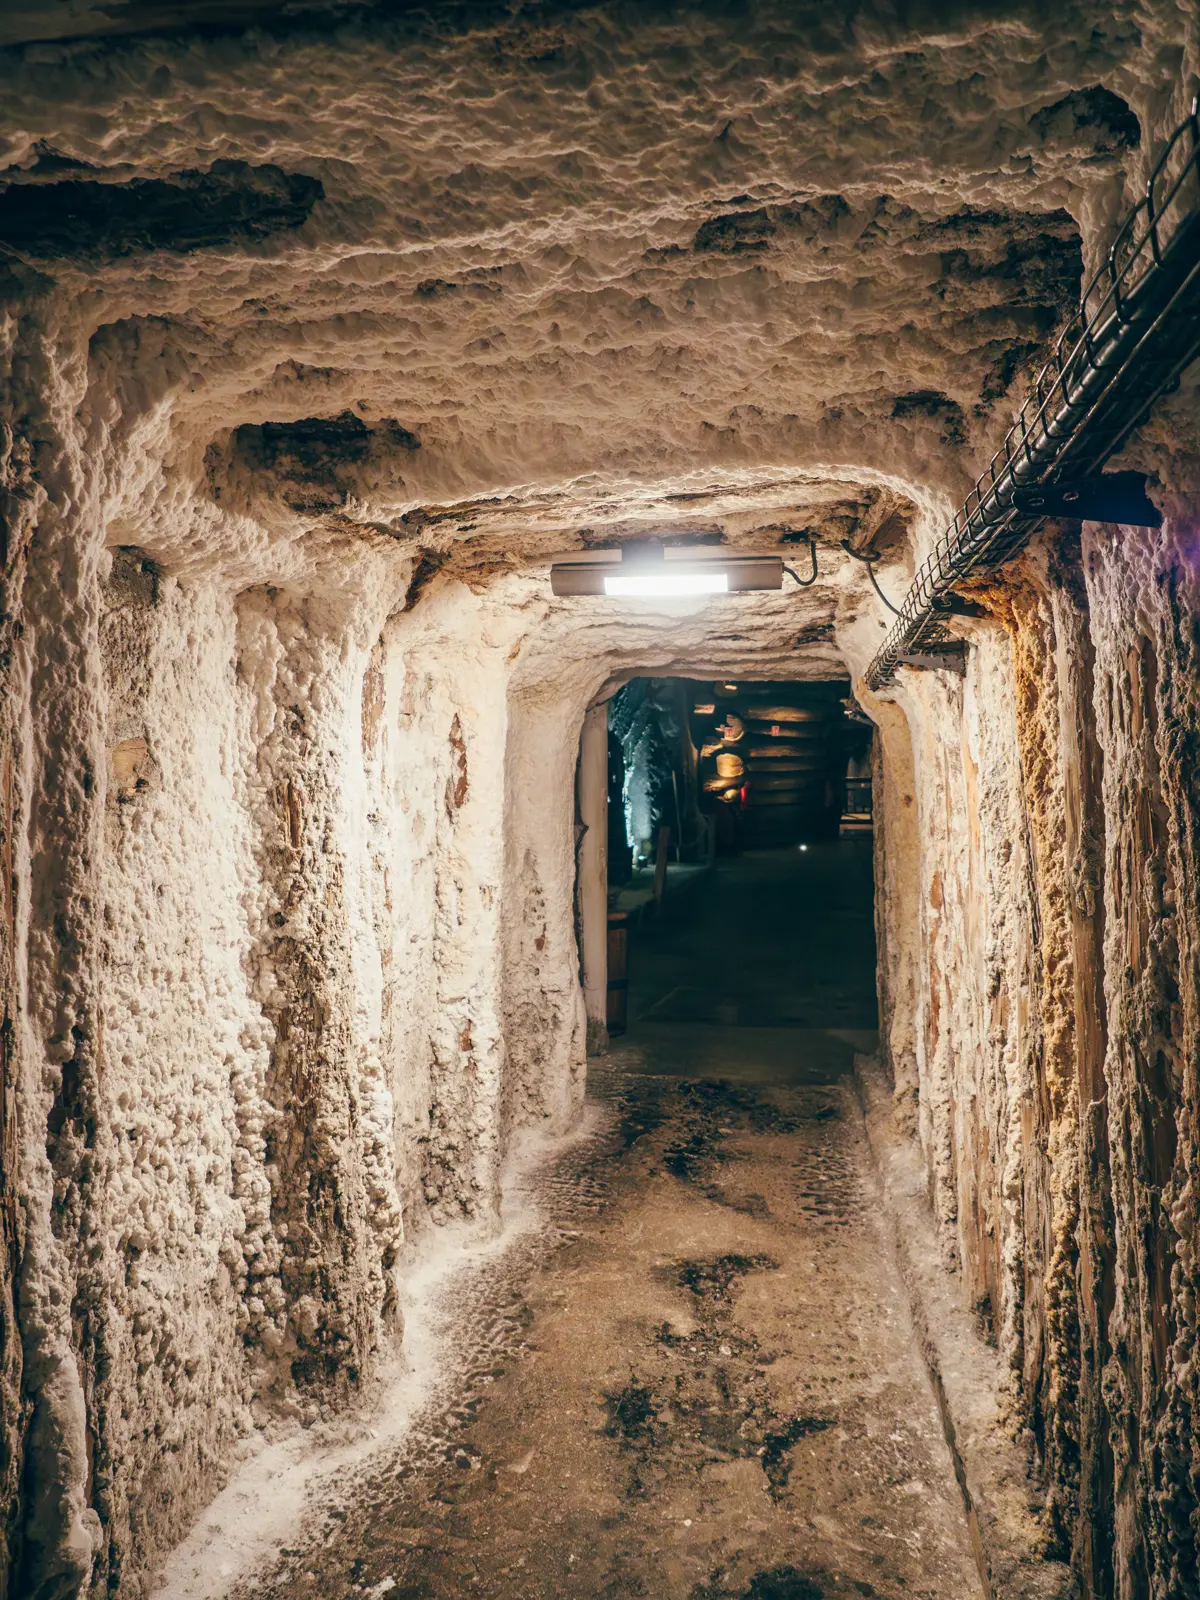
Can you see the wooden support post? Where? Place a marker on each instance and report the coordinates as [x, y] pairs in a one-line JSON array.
[[593, 873]]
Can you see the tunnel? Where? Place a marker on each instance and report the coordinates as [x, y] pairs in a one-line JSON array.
[[599, 812]]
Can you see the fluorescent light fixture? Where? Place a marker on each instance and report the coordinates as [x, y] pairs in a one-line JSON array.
[[654, 586], [646, 571]]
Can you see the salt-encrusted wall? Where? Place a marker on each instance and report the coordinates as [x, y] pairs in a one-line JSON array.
[[364, 319], [224, 1191], [316, 973], [897, 899], [297, 1037], [55, 829], [1056, 1049], [1144, 594], [180, 1112], [439, 722]]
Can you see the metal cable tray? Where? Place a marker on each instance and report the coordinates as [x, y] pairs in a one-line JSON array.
[[1137, 328]]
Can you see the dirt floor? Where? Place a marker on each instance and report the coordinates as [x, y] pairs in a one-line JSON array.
[[703, 1382]]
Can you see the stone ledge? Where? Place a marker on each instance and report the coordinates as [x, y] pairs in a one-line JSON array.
[[1002, 1503]]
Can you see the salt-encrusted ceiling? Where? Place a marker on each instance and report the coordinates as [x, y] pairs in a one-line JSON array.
[[503, 282]]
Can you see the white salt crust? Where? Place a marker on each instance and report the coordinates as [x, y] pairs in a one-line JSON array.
[[285, 982]]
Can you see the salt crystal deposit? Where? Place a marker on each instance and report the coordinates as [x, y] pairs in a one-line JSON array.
[[323, 331]]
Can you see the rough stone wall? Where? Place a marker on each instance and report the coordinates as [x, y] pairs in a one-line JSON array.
[[897, 900], [179, 1113], [443, 719], [20, 498], [1083, 844], [58, 725], [335, 1224], [206, 1196], [974, 1021], [1144, 600], [224, 1203], [315, 344], [1057, 1045]]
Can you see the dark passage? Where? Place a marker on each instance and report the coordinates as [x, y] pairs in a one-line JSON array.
[[780, 942]]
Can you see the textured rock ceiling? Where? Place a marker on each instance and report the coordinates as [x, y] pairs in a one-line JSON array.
[[500, 283]]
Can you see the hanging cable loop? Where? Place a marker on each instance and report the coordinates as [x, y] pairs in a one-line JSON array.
[[868, 560], [805, 583]]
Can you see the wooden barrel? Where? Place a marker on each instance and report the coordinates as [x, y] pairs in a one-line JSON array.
[[769, 713], [809, 734], [765, 768], [796, 782], [617, 1002], [789, 797], [772, 750]]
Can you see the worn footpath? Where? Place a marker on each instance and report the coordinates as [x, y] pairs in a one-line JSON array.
[[704, 1384]]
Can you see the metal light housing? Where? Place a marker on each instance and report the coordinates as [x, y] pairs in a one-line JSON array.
[[656, 572]]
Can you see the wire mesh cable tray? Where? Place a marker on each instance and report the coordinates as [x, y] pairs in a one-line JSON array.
[[1136, 329]]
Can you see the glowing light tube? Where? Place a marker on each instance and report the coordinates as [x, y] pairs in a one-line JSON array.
[[664, 585]]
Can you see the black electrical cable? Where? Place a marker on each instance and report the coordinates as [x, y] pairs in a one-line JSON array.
[[805, 583], [869, 561]]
